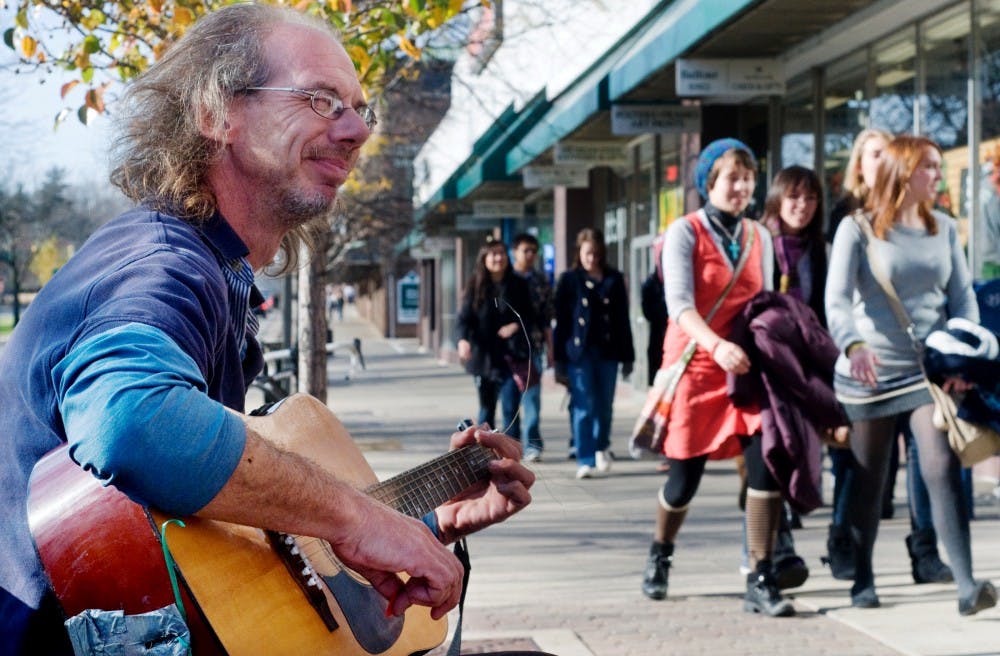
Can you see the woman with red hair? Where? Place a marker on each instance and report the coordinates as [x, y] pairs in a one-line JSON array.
[[878, 376]]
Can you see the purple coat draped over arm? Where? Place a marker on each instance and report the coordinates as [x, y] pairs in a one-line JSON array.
[[791, 379]]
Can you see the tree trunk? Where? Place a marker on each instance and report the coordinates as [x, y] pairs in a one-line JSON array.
[[312, 323]]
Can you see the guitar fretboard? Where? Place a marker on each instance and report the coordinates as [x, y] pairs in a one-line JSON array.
[[420, 490]]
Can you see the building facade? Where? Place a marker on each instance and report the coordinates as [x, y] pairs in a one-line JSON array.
[[794, 80]]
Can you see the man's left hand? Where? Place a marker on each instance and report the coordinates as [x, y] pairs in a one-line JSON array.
[[492, 500]]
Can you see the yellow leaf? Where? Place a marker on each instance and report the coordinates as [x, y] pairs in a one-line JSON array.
[[183, 16], [156, 6], [66, 88], [455, 6], [407, 46], [28, 46]]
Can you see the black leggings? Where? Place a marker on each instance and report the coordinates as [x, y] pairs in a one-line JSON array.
[[685, 475]]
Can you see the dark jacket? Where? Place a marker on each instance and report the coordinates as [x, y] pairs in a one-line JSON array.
[[582, 307], [479, 326], [654, 308], [791, 379]]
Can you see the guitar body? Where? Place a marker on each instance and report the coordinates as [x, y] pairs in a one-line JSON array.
[[102, 551]]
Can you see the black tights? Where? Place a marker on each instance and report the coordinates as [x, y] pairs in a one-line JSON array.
[[871, 443], [685, 475]]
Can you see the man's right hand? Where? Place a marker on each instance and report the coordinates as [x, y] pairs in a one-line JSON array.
[[464, 350], [384, 543]]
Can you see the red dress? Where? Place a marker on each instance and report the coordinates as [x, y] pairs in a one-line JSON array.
[[702, 418]]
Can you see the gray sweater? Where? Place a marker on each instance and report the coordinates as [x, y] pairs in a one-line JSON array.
[[930, 276], [678, 264]]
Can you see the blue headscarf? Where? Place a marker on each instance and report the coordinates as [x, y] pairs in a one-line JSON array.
[[712, 152]]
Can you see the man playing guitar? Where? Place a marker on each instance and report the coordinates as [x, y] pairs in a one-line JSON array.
[[139, 351]]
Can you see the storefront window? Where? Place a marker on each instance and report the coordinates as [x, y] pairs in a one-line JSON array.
[[988, 230], [798, 143], [846, 113], [944, 113], [893, 63]]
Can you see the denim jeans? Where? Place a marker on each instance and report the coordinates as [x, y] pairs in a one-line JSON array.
[[592, 381], [531, 404], [509, 396]]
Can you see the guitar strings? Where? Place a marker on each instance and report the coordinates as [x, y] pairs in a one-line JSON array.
[[524, 331]]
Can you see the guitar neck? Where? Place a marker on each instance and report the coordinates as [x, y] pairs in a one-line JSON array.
[[420, 490]]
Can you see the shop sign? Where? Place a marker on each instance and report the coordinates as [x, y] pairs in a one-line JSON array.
[[663, 119], [498, 209], [558, 175], [729, 77], [591, 153], [408, 298], [466, 222]]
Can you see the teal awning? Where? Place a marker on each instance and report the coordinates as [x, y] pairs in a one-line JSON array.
[[496, 142], [677, 28]]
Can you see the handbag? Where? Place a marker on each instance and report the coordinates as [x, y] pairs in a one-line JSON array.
[[971, 442], [525, 374], [650, 429]]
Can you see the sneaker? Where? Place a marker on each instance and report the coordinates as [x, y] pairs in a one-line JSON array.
[[586, 471], [604, 460], [762, 594], [532, 454]]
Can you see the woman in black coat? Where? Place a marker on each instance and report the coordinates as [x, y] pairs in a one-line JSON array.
[[491, 337], [592, 336]]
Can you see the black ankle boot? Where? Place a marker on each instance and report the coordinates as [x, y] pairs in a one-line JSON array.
[[762, 594], [654, 579], [789, 570], [840, 553], [925, 562]]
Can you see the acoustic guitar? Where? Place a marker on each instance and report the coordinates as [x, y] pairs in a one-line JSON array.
[[245, 590]]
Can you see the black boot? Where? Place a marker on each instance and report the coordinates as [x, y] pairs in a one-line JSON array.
[[789, 570], [983, 596], [840, 553], [925, 563], [654, 579], [762, 594]]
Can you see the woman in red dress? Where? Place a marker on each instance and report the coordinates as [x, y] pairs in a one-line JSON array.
[[702, 252]]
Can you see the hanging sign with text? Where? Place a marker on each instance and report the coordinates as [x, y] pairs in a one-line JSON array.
[[498, 209], [663, 119], [590, 153], [560, 175], [730, 77]]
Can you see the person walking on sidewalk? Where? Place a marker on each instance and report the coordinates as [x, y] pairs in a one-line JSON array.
[[878, 377], [139, 351], [593, 335], [540, 289], [704, 252], [921, 544], [491, 342]]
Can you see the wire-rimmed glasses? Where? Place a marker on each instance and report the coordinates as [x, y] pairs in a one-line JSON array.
[[326, 103]]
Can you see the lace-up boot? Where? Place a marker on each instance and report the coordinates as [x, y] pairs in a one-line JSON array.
[[654, 579], [762, 594]]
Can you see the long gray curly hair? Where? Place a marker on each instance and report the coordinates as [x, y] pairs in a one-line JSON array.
[[162, 154]]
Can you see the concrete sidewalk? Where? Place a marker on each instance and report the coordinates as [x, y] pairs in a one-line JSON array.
[[563, 576]]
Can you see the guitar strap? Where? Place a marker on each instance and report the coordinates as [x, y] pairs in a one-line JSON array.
[[462, 553]]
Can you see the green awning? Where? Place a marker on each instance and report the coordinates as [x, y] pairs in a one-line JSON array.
[[505, 132], [677, 28]]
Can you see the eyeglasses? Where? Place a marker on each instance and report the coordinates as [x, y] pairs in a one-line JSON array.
[[327, 104]]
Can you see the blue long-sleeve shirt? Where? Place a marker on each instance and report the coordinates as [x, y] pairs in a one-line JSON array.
[[133, 349]]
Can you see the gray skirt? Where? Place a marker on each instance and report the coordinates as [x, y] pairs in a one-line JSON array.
[[863, 403]]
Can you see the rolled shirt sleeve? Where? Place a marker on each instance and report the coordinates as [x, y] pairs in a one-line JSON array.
[[137, 416]]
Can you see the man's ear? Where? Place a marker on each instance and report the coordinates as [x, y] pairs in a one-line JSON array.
[[218, 128]]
